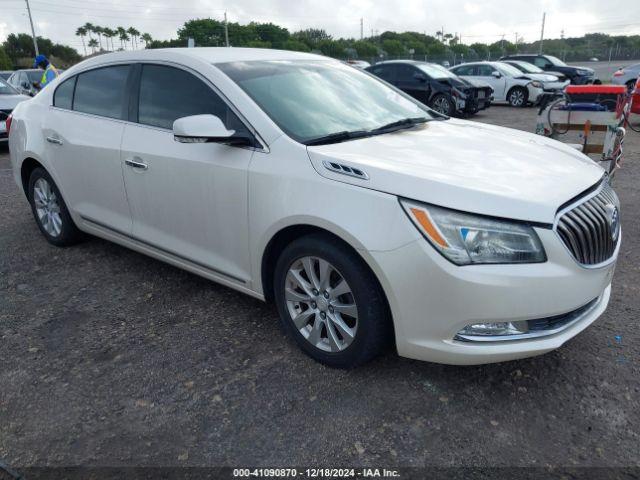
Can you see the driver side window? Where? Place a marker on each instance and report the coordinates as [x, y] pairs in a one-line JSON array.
[[485, 70], [168, 93], [541, 62]]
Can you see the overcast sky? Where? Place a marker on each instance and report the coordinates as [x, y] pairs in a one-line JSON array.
[[475, 20]]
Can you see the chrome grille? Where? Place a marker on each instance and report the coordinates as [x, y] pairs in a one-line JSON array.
[[590, 228]]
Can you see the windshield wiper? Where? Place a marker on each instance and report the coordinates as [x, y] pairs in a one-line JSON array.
[[337, 137], [404, 123]]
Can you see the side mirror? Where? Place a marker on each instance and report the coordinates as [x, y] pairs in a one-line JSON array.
[[496, 74], [206, 128]]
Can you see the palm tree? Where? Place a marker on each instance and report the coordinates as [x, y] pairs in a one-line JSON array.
[[98, 30], [82, 32], [134, 36], [89, 28], [109, 34], [122, 35], [146, 38], [93, 43]]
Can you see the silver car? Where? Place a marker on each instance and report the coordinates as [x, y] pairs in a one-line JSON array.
[[626, 76], [9, 98]]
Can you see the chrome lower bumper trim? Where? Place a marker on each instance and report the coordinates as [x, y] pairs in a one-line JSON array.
[[542, 327]]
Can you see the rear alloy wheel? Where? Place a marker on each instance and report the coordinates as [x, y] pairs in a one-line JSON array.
[[442, 104], [330, 302], [50, 211], [517, 97]]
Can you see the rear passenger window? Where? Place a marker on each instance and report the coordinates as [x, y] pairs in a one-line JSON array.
[[63, 97], [465, 70], [102, 91], [168, 93]]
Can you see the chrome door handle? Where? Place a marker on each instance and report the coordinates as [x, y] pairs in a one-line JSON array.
[[54, 140], [135, 164]]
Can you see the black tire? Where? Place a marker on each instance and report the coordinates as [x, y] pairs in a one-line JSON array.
[[631, 84], [69, 233], [518, 97], [439, 100], [374, 328]]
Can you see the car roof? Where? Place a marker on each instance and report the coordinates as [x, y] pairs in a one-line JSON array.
[[214, 54]]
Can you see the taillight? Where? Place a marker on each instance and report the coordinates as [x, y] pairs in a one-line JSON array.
[[618, 73], [8, 123]]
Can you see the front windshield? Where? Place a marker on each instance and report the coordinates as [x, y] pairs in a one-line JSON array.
[[435, 71], [310, 99], [556, 61], [6, 89], [529, 67], [508, 70]]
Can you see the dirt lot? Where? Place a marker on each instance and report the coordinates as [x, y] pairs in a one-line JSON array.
[[111, 358]]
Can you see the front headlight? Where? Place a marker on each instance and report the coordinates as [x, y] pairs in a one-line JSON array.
[[465, 239], [536, 84]]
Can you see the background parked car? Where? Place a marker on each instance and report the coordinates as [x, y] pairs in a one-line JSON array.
[[509, 84], [549, 63], [434, 85], [552, 81], [23, 80], [626, 76], [9, 98]]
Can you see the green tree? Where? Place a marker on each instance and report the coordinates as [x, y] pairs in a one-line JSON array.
[[295, 45], [311, 36], [146, 38], [394, 48], [331, 48], [5, 61], [93, 44], [134, 33], [268, 32], [365, 49]]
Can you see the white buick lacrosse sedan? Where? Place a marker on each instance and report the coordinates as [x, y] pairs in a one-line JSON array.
[[366, 217]]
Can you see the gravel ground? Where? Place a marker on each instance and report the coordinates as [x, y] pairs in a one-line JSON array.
[[110, 358]]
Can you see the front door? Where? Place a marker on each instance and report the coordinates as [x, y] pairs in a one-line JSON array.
[[187, 199]]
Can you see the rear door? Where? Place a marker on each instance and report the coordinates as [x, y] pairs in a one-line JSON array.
[[83, 132], [187, 199]]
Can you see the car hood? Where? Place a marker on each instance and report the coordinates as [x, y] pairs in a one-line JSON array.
[[9, 102], [466, 166]]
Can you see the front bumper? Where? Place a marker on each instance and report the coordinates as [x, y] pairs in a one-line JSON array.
[[583, 79], [432, 300], [552, 87]]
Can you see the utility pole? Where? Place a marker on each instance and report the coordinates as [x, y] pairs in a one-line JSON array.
[[226, 30], [361, 28], [544, 16], [33, 32]]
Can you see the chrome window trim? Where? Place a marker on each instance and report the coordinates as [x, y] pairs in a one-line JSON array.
[[264, 148]]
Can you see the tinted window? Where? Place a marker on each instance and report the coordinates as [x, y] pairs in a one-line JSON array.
[[541, 62], [102, 91], [167, 94], [63, 98], [382, 71], [406, 73]]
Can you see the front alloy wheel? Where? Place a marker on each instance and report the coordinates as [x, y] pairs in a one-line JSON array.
[[321, 304], [330, 302]]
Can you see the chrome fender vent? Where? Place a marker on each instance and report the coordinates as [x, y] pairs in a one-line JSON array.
[[345, 170]]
